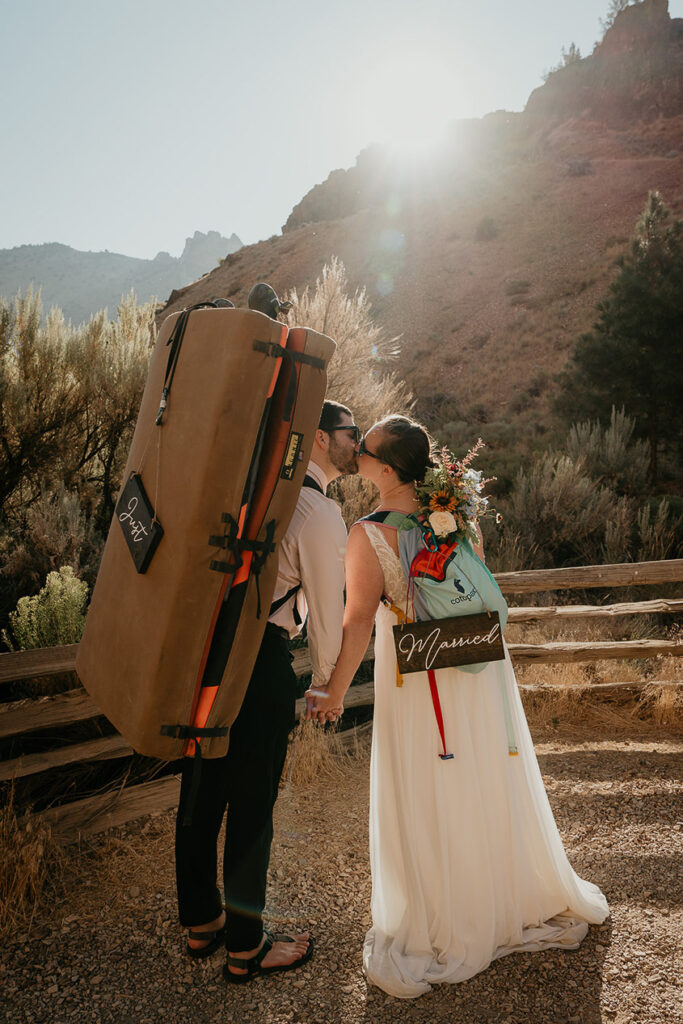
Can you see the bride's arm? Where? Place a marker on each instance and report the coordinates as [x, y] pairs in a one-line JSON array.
[[364, 587]]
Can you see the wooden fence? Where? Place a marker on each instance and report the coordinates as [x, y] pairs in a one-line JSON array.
[[86, 816]]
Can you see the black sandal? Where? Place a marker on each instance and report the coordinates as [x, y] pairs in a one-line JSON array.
[[253, 965], [216, 939]]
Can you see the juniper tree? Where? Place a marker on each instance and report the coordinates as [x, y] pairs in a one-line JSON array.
[[631, 358]]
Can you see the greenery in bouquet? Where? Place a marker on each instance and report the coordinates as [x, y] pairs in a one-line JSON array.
[[451, 496]]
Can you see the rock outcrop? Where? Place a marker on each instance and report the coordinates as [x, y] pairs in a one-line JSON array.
[[634, 74]]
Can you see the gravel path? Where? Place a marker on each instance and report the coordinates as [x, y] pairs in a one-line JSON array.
[[111, 950]]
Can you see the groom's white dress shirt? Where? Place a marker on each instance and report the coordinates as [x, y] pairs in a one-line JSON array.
[[312, 554]]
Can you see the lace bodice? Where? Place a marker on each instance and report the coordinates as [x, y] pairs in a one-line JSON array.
[[395, 586]]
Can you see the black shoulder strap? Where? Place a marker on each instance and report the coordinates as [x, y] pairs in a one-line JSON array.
[[398, 520], [276, 605], [374, 517], [311, 482]]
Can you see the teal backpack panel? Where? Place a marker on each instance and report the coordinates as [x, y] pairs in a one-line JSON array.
[[468, 588]]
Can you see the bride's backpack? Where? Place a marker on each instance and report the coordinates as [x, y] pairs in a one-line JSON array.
[[446, 580]]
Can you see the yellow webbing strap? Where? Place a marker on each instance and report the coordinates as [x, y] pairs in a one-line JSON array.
[[402, 617]]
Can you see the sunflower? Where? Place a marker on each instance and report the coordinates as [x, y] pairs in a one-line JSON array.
[[442, 501]]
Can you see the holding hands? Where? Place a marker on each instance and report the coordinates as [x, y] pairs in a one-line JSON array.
[[323, 705]]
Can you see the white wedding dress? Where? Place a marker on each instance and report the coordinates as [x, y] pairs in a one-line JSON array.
[[467, 863]]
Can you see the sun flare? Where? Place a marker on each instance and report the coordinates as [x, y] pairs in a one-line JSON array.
[[409, 102]]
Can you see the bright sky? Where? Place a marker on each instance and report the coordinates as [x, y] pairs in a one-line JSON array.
[[128, 125]]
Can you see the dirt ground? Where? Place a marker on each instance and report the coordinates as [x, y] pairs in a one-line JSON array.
[[106, 945]]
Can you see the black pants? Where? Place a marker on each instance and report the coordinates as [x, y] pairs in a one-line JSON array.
[[246, 782]]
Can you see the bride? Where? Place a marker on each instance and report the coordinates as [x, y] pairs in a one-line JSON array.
[[467, 862]]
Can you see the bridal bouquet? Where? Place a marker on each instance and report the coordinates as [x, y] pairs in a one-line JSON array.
[[451, 496]]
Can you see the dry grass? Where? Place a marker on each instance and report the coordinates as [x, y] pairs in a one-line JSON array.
[[573, 706], [28, 858], [315, 752]]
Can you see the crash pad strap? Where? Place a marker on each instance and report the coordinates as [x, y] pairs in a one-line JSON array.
[[269, 348], [175, 341], [192, 732], [236, 545]]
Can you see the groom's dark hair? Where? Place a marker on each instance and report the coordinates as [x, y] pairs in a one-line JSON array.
[[331, 415]]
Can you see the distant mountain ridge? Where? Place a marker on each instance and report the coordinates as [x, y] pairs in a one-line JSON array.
[[81, 283]]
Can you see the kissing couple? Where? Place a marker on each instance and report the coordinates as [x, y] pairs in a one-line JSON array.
[[466, 860]]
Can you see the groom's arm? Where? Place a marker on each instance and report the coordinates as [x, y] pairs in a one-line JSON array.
[[322, 543], [364, 588]]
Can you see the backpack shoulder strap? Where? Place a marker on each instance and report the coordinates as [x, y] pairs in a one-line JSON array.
[[398, 520]]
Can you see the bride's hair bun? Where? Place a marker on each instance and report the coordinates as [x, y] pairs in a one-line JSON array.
[[406, 447]]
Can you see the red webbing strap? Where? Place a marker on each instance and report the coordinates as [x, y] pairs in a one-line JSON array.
[[438, 712]]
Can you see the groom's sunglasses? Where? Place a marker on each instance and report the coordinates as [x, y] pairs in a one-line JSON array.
[[353, 429]]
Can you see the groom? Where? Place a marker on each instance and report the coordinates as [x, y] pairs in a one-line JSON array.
[[310, 583]]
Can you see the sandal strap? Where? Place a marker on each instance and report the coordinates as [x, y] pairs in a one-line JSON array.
[[200, 936], [255, 961]]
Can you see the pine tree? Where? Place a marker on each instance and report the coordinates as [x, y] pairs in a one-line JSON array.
[[632, 357]]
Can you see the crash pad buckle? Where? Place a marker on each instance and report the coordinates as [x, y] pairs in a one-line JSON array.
[[192, 732], [269, 348], [230, 567], [228, 541]]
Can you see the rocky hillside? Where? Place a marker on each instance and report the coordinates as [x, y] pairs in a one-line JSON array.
[[635, 73], [81, 283], [488, 260]]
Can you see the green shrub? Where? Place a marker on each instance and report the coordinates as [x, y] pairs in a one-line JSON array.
[[53, 531], [610, 455], [558, 513], [70, 398], [658, 532], [52, 617]]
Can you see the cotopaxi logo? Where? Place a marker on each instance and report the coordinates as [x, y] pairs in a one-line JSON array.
[[440, 643]]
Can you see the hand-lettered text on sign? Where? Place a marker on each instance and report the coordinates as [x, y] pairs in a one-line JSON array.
[[445, 643], [136, 518]]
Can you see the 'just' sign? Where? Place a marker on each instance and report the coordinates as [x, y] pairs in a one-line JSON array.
[[140, 526]]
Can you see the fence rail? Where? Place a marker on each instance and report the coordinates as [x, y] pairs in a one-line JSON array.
[[625, 574], [83, 817]]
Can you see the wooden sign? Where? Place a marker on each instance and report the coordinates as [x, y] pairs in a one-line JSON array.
[[136, 517], [443, 643]]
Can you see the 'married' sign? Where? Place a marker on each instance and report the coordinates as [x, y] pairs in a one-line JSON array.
[[444, 643]]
